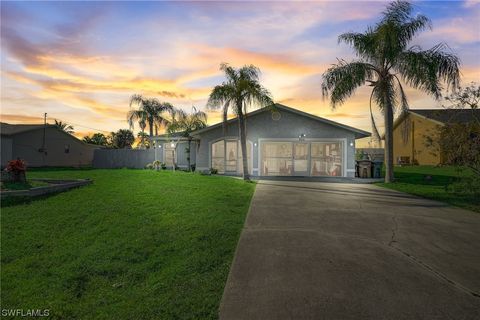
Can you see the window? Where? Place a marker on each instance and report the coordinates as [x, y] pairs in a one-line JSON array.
[[227, 156], [169, 154], [326, 159], [67, 148], [218, 156], [277, 159]]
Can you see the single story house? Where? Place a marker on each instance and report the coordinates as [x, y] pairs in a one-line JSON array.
[[43, 146], [281, 141], [412, 130]]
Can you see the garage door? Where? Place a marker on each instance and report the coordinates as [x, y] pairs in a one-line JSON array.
[[312, 158]]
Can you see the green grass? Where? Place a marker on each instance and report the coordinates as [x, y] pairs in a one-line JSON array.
[[412, 179], [135, 244]]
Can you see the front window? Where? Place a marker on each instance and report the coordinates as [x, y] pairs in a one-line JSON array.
[[227, 156], [326, 159]]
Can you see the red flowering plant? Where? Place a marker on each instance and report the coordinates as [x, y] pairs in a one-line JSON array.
[[16, 170]]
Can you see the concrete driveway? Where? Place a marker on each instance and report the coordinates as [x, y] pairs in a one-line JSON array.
[[312, 250]]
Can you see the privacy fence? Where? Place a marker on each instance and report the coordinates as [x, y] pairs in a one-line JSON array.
[[122, 158]]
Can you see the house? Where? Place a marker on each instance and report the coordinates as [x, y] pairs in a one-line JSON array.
[[43, 146], [412, 130], [281, 141]]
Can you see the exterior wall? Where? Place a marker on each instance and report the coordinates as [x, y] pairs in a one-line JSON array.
[[123, 158], [415, 146], [261, 127], [26, 146], [6, 143]]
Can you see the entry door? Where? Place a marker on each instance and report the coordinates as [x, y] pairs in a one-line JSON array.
[[300, 159]]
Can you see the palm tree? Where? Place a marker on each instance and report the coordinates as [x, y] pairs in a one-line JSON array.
[[186, 123], [385, 61], [240, 90], [97, 138], [139, 115], [64, 127], [154, 111], [143, 139]]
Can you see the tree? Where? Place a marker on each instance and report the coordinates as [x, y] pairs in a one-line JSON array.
[[139, 115], [123, 139], [97, 139], [186, 123], [144, 142], [64, 127], [154, 111], [383, 60], [240, 90]]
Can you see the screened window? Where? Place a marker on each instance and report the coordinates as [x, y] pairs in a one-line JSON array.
[[326, 159], [169, 154], [277, 158], [227, 156]]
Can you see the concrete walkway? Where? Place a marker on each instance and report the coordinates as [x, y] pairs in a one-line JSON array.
[[312, 250]]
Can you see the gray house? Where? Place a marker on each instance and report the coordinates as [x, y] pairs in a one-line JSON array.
[[42, 146], [282, 142]]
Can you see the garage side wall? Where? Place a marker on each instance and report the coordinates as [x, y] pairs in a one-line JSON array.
[[261, 126]]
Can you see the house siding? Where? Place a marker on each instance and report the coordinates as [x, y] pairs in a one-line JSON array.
[[415, 146], [26, 146], [261, 127]]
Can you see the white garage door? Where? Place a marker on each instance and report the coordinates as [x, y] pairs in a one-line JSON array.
[[303, 158]]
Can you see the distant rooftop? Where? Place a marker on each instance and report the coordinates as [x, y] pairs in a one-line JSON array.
[[446, 115], [12, 129]]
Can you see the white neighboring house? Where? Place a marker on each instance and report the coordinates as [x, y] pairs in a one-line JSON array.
[[43, 146]]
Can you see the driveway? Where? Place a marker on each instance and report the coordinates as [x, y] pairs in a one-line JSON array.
[[312, 250]]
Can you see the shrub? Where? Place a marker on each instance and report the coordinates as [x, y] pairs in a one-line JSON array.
[[149, 166], [192, 168], [163, 165], [156, 164], [16, 170], [213, 171]]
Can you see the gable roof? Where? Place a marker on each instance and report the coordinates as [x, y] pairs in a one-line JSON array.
[[7, 129], [12, 129], [447, 115], [277, 106]]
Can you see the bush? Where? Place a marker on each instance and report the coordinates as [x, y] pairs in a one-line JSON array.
[[192, 168], [213, 171], [16, 170], [163, 165], [149, 166], [467, 186]]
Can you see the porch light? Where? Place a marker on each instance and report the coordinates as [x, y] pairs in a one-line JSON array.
[[255, 144], [302, 136], [351, 143], [172, 145]]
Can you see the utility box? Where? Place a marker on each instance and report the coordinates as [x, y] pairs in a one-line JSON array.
[[377, 169]]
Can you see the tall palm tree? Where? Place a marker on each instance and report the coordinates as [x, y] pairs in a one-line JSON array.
[[385, 61], [240, 90], [139, 115], [154, 111], [186, 123], [64, 127]]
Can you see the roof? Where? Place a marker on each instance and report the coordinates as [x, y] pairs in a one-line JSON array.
[[12, 129], [447, 115], [358, 133], [7, 129]]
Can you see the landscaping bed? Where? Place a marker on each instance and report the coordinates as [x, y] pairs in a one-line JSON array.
[[136, 244]]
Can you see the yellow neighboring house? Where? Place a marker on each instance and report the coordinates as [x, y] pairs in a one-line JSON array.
[[411, 130]]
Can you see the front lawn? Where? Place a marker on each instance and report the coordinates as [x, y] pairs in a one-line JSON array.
[[136, 244], [431, 182]]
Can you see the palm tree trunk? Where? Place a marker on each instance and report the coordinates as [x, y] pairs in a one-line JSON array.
[[388, 113], [243, 143], [150, 125]]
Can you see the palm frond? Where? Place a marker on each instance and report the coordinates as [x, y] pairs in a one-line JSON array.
[[342, 79]]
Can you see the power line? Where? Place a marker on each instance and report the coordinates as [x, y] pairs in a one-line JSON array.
[[78, 125]]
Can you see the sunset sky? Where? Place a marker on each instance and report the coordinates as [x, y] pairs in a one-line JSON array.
[[80, 62]]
